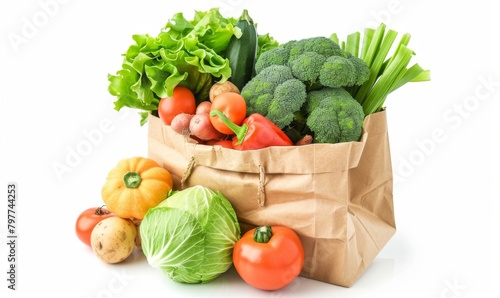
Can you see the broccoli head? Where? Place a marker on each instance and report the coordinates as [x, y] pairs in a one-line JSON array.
[[315, 97], [302, 86], [339, 71], [276, 56], [335, 116], [322, 45], [307, 66], [275, 94], [317, 61]]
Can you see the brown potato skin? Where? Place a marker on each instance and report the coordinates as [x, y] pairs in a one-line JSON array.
[[219, 88], [113, 240]]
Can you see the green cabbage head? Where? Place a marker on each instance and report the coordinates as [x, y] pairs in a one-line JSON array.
[[190, 236]]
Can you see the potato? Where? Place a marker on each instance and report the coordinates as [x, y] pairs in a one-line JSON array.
[[113, 239], [219, 88]]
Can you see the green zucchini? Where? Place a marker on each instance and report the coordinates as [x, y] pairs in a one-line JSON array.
[[242, 52]]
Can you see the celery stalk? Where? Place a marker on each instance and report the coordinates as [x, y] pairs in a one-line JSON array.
[[394, 72], [424, 76], [367, 39], [335, 38], [376, 57], [387, 74], [374, 45], [412, 74], [352, 43]]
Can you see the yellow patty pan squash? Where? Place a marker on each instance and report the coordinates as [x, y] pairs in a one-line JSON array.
[[134, 186]]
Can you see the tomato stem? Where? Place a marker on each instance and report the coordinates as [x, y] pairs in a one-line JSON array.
[[101, 211], [263, 234], [132, 179]]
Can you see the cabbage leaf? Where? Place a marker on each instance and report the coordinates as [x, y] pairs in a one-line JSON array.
[[190, 236]]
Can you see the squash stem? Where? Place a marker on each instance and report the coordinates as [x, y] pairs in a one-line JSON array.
[[132, 179], [262, 234], [246, 17]]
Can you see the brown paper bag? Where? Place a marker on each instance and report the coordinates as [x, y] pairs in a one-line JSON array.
[[337, 197]]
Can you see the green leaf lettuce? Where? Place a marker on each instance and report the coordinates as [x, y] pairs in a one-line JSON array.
[[188, 53]]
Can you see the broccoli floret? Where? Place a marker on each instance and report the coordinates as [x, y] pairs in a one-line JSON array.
[[275, 93], [337, 117], [319, 44], [317, 61], [338, 71], [276, 56], [315, 97], [288, 99], [362, 70], [306, 67]]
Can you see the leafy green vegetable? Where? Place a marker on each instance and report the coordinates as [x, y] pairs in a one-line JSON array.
[[188, 53], [190, 236], [387, 73], [266, 42]]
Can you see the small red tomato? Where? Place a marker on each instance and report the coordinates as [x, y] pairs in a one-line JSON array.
[[87, 220], [269, 258], [231, 104], [182, 101]]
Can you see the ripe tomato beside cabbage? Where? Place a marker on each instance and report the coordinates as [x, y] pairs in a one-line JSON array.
[[87, 220], [269, 257]]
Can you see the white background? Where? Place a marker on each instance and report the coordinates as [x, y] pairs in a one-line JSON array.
[[444, 143]]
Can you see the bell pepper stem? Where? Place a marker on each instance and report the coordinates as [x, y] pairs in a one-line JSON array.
[[239, 131], [262, 234], [132, 179]]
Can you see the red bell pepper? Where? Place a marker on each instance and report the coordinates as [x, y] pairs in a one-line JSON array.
[[256, 132]]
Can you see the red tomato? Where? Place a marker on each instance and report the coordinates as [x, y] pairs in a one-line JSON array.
[[87, 220], [182, 101], [269, 258], [231, 104]]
